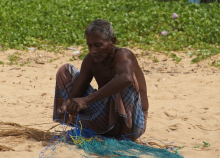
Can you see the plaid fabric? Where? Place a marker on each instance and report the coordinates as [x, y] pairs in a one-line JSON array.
[[103, 120]]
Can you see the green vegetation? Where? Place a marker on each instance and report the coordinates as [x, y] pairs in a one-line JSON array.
[[14, 58], [175, 57], [25, 63], [52, 60], [1, 62], [137, 23], [72, 59], [155, 60]]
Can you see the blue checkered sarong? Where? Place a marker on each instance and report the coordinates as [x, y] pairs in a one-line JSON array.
[[99, 118]]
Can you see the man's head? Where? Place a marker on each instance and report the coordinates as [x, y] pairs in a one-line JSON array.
[[100, 39], [102, 27]]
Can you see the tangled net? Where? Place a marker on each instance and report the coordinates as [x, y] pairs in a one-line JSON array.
[[94, 145]]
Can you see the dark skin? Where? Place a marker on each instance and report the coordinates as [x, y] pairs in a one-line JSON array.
[[103, 62]]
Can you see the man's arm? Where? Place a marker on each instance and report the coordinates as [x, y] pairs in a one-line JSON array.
[[142, 87], [83, 80], [79, 85], [124, 69]]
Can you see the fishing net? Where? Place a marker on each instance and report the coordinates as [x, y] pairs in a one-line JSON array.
[[93, 145]]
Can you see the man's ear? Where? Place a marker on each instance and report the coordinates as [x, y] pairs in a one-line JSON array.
[[113, 40]]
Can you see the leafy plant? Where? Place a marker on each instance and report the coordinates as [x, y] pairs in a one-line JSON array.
[[175, 57], [1, 62], [218, 63], [155, 60], [190, 54], [150, 56], [136, 24], [14, 58], [72, 59], [82, 56], [25, 63]]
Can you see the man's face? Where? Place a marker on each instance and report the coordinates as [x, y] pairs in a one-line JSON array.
[[99, 47]]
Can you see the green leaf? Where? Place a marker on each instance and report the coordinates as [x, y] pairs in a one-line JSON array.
[[135, 24]]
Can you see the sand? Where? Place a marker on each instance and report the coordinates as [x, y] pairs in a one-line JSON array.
[[183, 97]]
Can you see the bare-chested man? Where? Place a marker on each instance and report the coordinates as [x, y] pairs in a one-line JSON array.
[[120, 105]]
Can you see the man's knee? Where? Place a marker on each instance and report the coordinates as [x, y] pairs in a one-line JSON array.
[[61, 71]]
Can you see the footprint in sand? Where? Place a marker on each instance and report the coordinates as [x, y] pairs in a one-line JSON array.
[[171, 115], [174, 127], [184, 118]]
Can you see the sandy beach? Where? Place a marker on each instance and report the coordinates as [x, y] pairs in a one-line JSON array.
[[183, 97]]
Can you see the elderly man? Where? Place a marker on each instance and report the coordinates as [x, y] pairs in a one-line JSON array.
[[120, 105]]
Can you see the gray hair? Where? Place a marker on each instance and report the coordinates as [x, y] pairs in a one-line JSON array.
[[102, 27]]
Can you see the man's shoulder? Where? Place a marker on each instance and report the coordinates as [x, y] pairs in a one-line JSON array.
[[124, 52]]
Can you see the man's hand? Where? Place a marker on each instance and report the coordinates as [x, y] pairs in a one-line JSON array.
[[61, 112], [74, 105]]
